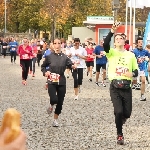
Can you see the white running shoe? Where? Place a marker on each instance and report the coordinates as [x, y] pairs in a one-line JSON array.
[[76, 97], [143, 98], [55, 123]]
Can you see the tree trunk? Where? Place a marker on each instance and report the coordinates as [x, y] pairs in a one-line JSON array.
[[17, 27]]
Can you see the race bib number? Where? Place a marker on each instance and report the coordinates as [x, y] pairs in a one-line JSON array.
[[91, 56], [54, 77], [13, 49], [25, 56], [121, 70], [4, 47], [76, 61], [140, 59], [102, 53]]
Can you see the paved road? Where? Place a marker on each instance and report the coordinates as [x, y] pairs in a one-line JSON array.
[[86, 124]]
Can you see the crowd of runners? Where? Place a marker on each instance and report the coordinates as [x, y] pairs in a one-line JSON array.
[[127, 69]]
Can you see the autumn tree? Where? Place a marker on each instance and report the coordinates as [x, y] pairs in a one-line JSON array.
[[1, 14], [58, 11]]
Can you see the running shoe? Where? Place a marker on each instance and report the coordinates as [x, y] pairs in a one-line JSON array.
[[50, 109], [97, 83], [90, 80], [76, 97], [120, 140], [142, 98], [102, 83], [55, 123], [138, 87], [24, 82]]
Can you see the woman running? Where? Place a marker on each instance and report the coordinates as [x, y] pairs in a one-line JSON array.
[[25, 53], [57, 62]]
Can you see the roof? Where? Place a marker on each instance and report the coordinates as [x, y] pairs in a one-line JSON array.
[[93, 23]]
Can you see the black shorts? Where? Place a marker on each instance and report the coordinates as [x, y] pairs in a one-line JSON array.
[[90, 63], [98, 67]]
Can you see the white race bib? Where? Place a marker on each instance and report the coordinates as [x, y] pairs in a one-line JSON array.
[[13, 49], [121, 70], [54, 77], [4, 47], [25, 56]]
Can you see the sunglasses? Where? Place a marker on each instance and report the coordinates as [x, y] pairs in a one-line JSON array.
[[57, 43]]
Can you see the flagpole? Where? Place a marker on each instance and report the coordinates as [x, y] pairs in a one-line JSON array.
[[134, 21], [130, 22], [126, 27]]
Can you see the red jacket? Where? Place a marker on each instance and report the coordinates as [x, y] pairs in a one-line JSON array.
[[127, 47], [25, 54], [90, 56]]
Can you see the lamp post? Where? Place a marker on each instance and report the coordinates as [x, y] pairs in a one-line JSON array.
[[5, 16], [115, 7]]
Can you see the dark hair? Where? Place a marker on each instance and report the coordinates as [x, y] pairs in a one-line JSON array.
[[57, 39], [120, 35], [127, 42], [139, 38], [76, 40], [123, 35]]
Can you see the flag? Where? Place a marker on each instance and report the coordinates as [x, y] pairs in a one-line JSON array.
[[138, 4]]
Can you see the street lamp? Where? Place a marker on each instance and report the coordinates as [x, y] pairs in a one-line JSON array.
[[115, 7]]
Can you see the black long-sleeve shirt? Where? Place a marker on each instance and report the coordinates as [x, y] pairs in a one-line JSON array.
[[107, 41], [57, 64]]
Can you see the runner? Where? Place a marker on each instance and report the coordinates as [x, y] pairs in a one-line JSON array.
[[25, 53], [34, 57], [40, 51], [101, 62], [78, 57], [4, 47], [140, 55], [57, 62], [47, 53], [90, 60], [13, 50], [122, 67], [67, 52]]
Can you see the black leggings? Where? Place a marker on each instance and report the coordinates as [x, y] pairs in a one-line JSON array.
[[25, 63], [57, 98], [77, 76], [13, 54], [122, 102]]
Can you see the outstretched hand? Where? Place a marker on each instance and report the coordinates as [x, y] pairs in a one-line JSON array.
[[115, 26]]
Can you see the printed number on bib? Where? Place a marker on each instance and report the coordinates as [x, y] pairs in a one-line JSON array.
[[140, 60], [76, 61], [25, 56], [54, 77], [13, 49], [121, 70]]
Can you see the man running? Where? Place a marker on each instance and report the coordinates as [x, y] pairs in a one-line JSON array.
[[122, 67], [141, 55], [101, 62], [13, 50]]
